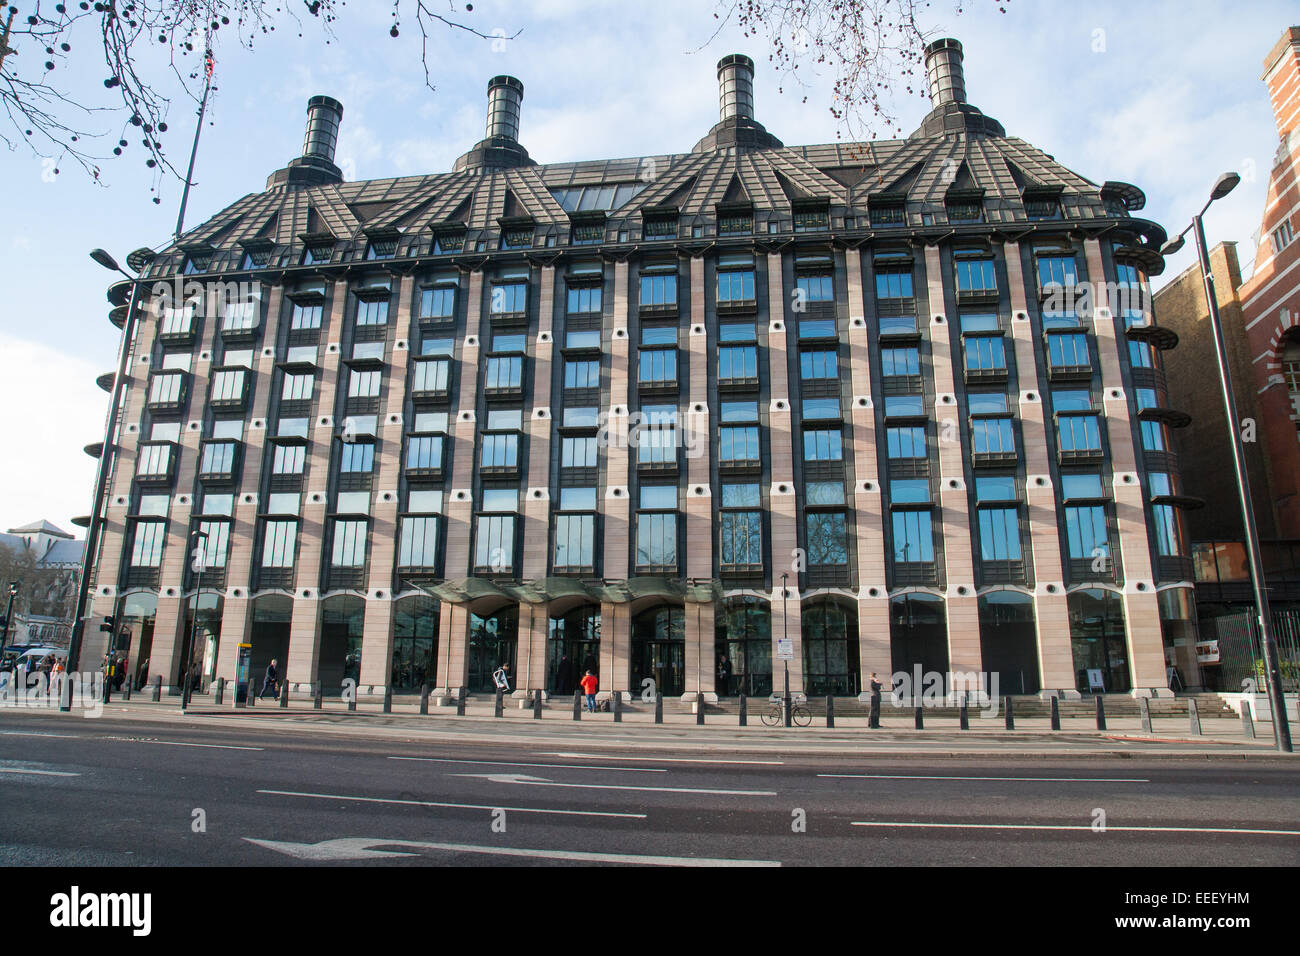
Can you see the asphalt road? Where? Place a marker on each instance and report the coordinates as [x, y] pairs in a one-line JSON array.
[[151, 791]]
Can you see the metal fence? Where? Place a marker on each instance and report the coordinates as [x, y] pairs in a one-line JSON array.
[[1240, 654]]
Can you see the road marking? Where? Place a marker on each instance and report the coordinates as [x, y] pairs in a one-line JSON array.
[[909, 776], [521, 779], [455, 806], [358, 848], [179, 743], [757, 763], [40, 773], [32, 733], [1072, 826], [557, 766]]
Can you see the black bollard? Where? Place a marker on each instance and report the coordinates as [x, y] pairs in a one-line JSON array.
[[744, 711], [1247, 723], [617, 707], [1195, 716], [1056, 714], [126, 688], [659, 708], [221, 690], [252, 697], [460, 702], [830, 711], [108, 683], [577, 705], [1011, 714], [157, 689], [1101, 714], [1144, 708], [499, 710], [699, 709], [537, 705], [963, 716], [352, 698], [388, 700], [424, 699], [284, 693], [318, 699], [920, 719]]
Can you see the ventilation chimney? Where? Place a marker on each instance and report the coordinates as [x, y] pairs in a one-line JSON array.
[[944, 73], [324, 114], [505, 97], [735, 87], [315, 167]]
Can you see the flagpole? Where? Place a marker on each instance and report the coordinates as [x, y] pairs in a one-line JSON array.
[[198, 130]]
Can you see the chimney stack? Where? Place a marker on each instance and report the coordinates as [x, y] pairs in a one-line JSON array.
[[324, 114], [505, 98], [944, 73], [735, 87]]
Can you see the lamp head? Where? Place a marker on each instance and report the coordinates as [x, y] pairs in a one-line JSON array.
[[1172, 246], [1224, 185], [105, 260]]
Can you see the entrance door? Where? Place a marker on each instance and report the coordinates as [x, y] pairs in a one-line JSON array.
[[493, 641], [572, 649], [659, 651]]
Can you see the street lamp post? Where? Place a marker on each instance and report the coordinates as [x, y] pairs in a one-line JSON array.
[[785, 639], [9, 614], [1277, 701], [105, 457], [200, 553]]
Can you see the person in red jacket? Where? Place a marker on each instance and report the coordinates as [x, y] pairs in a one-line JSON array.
[[589, 685]]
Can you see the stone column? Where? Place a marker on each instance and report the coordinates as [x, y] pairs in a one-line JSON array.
[[615, 635]]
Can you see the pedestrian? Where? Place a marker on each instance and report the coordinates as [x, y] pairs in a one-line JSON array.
[[501, 678], [589, 685], [271, 681], [874, 721], [144, 675], [724, 676]]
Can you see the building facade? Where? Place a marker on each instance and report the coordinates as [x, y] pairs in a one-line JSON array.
[[650, 417]]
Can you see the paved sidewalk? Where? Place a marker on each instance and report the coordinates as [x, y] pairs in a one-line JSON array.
[[897, 737]]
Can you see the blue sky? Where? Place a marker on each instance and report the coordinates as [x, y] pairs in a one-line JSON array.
[[1163, 95]]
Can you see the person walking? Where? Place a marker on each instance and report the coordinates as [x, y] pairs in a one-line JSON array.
[[589, 685], [271, 681], [501, 678], [874, 720], [724, 677]]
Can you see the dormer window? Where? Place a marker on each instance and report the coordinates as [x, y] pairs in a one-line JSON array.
[[812, 217], [1043, 203], [888, 213], [965, 206], [257, 254], [382, 248], [735, 220], [319, 249], [197, 262], [660, 227], [448, 241], [517, 233]]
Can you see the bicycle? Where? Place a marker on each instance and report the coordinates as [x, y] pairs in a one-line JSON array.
[[774, 716]]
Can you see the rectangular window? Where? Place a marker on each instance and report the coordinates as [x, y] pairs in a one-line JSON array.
[[505, 419], [1154, 436], [584, 299], [153, 460], [992, 436], [372, 312], [297, 388], [217, 544], [166, 389], [577, 499], [504, 372], [900, 361], [503, 342], [657, 366], [815, 288], [823, 444], [582, 374], [510, 299], [424, 452], [424, 502], [432, 346], [357, 458], [575, 540], [494, 545], [913, 537], [1078, 433], [581, 417], [904, 406], [153, 505], [1057, 270], [431, 376], [658, 290], [737, 332], [824, 493], [735, 286], [995, 489], [820, 364], [349, 543], [828, 539], [279, 541], [909, 491], [817, 329], [1081, 486], [146, 550], [976, 276], [288, 460], [986, 353], [364, 383], [306, 316], [588, 339], [887, 214], [741, 537], [180, 361], [239, 317], [971, 210], [1000, 534], [1085, 531], [419, 543], [894, 284], [177, 321], [821, 408], [438, 302], [1068, 350], [738, 445], [656, 541], [738, 412], [1169, 531], [812, 220], [735, 224], [577, 453], [906, 442], [218, 459], [500, 451], [657, 435], [283, 504], [737, 362]]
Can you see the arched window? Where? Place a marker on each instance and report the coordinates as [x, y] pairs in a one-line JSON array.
[[1009, 642], [415, 643], [493, 641], [1098, 639], [743, 643], [659, 651], [830, 650]]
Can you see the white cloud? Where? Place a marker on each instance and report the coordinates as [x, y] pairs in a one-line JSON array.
[[52, 408]]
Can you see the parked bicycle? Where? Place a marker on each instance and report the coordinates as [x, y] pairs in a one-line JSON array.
[[800, 715]]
